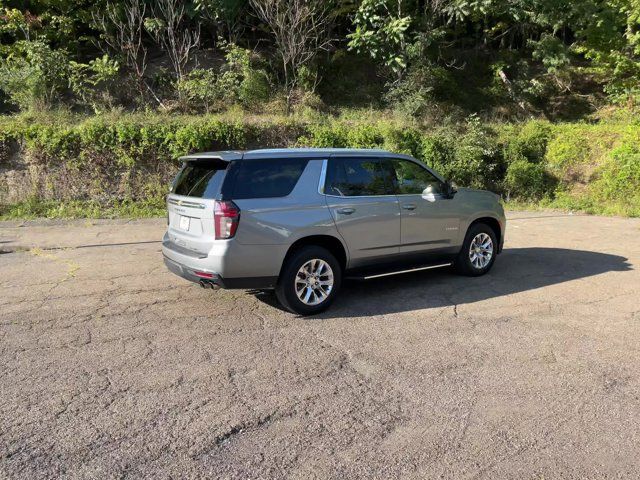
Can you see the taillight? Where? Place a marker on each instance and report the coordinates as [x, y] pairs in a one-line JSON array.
[[203, 274], [226, 216]]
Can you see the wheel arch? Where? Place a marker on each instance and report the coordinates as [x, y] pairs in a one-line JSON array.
[[492, 223], [331, 243]]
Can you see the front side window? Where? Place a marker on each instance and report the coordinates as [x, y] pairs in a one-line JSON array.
[[412, 179], [357, 177]]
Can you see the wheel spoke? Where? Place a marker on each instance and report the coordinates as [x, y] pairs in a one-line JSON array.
[[307, 295]]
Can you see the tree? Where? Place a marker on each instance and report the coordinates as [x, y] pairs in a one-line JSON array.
[[170, 29], [122, 30], [613, 46], [381, 33], [226, 16], [300, 30]]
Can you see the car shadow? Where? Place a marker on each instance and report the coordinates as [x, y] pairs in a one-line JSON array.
[[515, 270]]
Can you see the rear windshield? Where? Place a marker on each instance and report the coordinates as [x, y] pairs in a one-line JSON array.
[[201, 179], [267, 178]]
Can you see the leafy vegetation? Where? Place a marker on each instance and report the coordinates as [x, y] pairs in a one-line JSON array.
[[518, 58], [534, 99], [122, 164]]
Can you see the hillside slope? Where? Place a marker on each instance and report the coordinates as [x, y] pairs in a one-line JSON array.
[[121, 165]]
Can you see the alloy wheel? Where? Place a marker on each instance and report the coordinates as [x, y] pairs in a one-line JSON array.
[[314, 282], [481, 251]]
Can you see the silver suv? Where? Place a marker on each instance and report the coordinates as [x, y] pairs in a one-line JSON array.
[[300, 220]]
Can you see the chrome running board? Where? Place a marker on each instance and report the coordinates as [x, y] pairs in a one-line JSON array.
[[398, 272]]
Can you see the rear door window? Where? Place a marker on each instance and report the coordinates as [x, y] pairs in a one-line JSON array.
[[358, 177], [200, 179], [267, 178]]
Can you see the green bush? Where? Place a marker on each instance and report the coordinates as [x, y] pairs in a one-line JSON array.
[[94, 83], [239, 81], [201, 90], [437, 151], [571, 146], [416, 94], [325, 135], [618, 180], [528, 141], [33, 75], [255, 88], [597, 166], [526, 180], [404, 140], [475, 159]]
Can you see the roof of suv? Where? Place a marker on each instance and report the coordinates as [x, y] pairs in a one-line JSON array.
[[230, 155]]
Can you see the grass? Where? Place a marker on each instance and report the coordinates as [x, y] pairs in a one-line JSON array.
[[34, 209]]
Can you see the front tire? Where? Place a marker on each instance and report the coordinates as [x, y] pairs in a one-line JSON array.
[[309, 281], [478, 251]]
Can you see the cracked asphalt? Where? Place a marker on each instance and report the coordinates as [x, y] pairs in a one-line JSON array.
[[111, 367]]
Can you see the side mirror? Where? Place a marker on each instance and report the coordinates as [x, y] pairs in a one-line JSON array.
[[451, 188]]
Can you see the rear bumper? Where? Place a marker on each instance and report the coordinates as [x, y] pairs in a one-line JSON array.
[[232, 264], [189, 273]]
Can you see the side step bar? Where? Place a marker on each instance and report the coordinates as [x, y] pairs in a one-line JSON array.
[[396, 272]]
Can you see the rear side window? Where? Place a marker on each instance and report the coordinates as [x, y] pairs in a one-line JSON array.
[[267, 178], [201, 179], [357, 177]]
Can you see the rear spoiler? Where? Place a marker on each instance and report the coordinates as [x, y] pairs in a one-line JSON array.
[[225, 156]]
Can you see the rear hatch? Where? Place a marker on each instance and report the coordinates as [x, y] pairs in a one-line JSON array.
[[191, 202]]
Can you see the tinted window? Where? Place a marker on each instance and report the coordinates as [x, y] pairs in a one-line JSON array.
[[411, 178], [200, 179], [352, 177], [267, 178]]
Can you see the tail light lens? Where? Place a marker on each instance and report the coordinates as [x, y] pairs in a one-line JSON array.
[[226, 217]]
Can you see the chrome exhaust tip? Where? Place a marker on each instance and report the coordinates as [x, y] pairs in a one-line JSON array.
[[208, 284]]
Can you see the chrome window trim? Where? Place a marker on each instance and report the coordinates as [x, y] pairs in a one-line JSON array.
[[359, 196], [437, 195]]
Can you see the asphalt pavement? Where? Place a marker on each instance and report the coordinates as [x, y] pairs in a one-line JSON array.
[[111, 367]]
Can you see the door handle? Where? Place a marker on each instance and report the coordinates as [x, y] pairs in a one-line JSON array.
[[409, 206], [346, 211]]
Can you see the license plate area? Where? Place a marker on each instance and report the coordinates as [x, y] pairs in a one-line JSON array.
[[185, 223]]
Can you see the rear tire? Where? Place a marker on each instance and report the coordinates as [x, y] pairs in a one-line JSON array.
[[478, 251], [309, 281]]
